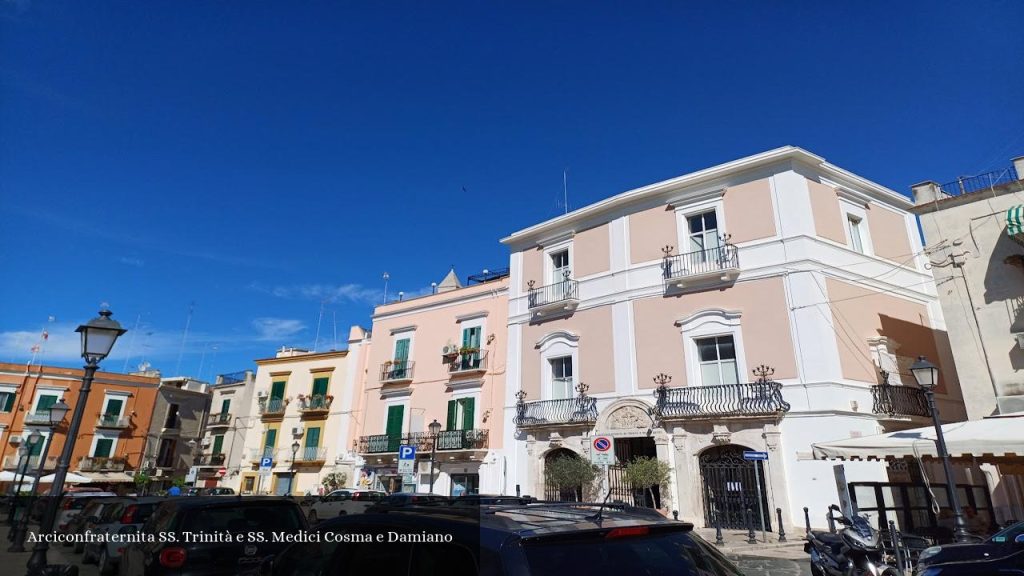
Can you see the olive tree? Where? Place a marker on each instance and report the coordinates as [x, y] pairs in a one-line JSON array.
[[645, 473], [334, 481], [571, 472]]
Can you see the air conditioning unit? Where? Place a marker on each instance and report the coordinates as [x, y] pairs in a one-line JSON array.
[[449, 349], [297, 431], [424, 467], [15, 439], [261, 394]]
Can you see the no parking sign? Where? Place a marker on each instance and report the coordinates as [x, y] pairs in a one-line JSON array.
[[602, 451]]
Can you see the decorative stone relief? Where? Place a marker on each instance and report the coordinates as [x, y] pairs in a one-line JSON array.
[[679, 441], [721, 435], [555, 440], [629, 417]]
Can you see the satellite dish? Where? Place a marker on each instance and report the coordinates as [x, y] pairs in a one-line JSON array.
[[144, 366]]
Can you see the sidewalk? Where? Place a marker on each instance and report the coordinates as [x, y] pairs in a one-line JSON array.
[[15, 563], [735, 544]]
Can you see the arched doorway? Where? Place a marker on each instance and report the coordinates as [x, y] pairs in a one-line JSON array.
[[554, 491], [731, 486]]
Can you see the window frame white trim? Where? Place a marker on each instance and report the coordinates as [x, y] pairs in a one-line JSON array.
[[861, 214], [406, 413], [411, 337], [45, 392], [475, 395], [708, 323], [683, 212], [556, 345], [100, 434], [107, 396], [549, 265]]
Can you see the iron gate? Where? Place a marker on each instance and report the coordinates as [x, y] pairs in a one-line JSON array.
[[624, 491], [730, 488]]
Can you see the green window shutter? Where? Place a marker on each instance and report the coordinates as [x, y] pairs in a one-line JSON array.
[[467, 413], [225, 405], [103, 446], [113, 407], [277, 390], [38, 448], [313, 438], [395, 417], [218, 443], [320, 386], [402, 350], [452, 408], [7, 401], [45, 402], [270, 439]]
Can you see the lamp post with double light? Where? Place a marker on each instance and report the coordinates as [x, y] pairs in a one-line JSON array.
[[27, 446], [435, 430], [55, 415], [927, 376], [98, 338]]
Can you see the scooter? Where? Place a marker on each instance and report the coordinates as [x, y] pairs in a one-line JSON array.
[[856, 550]]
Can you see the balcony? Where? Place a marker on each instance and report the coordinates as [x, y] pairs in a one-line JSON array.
[[11, 462], [312, 406], [41, 417], [759, 399], [310, 455], [577, 411], [899, 401], [447, 440], [475, 439], [256, 454], [272, 408], [554, 300], [100, 464], [210, 460], [468, 364], [219, 420], [111, 421], [397, 371], [709, 266]]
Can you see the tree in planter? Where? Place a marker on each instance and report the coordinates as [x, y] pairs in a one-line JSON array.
[[571, 472], [645, 473], [141, 480], [334, 481]]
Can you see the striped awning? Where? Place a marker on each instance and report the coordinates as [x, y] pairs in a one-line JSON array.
[[1015, 222]]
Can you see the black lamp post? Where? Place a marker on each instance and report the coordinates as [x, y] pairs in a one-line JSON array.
[[55, 415], [98, 338], [295, 451], [435, 429], [927, 376], [24, 451]]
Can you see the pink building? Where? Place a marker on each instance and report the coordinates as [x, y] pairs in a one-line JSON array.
[[779, 259], [439, 357]]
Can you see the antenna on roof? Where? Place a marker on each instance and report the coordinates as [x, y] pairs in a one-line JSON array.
[[131, 343], [386, 277], [565, 189], [319, 320], [184, 337], [335, 313]]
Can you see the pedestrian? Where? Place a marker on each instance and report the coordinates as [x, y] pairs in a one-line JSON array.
[[174, 491]]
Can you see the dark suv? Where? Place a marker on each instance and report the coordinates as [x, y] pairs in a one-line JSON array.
[[538, 539], [211, 535]]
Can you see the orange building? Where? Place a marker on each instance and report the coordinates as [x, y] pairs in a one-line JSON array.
[[112, 436]]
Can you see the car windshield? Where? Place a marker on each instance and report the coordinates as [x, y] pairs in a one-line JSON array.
[[1008, 534], [242, 519], [660, 554]]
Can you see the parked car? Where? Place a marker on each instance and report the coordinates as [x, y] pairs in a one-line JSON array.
[[1007, 542], [542, 539], [219, 491], [490, 500], [71, 505], [123, 516], [250, 521], [340, 502], [85, 520], [410, 498]]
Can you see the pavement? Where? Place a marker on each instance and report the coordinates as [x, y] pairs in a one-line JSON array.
[[15, 563]]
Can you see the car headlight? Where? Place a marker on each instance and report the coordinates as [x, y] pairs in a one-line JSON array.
[[929, 552]]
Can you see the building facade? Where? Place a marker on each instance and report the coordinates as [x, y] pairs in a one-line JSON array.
[[758, 305], [173, 443], [223, 439], [438, 358], [974, 235], [300, 418], [112, 436]]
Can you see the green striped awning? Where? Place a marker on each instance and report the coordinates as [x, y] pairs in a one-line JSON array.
[[1015, 220]]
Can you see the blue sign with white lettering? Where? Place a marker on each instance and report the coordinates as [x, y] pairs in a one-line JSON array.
[[266, 462], [406, 452], [751, 455]]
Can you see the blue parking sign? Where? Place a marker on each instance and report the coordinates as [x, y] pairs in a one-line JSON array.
[[406, 452]]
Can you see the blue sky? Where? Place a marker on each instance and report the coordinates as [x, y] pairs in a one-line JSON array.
[[259, 159]]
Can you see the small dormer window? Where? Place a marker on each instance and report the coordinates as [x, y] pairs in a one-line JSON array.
[[856, 231]]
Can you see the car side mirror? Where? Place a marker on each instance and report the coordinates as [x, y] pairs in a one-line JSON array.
[[1019, 539]]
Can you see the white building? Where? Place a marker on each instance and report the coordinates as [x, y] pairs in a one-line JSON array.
[[223, 441]]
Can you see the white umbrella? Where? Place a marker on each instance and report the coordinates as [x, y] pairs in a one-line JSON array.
[[71, 478], [14, 477]]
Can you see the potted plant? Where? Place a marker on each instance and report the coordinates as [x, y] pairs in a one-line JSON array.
[[644, 473]]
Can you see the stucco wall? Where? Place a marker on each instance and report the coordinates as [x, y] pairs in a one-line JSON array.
[[828, 220], [649, 231], [749, 211], [764, 324], [533, 267], [888, 231], [596, 355], [591, 251]]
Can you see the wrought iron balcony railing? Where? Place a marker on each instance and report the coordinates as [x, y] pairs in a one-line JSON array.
[[30, 464], [311, 454], [222, 419], [272, 406], [561, 293], [899, 401], [265, 452], [38, 417], [736, 400], [968, 184], [471, 362], [721, 260], [312, 404], [111, 421], [101, 464], [210, 459], [397, 371], [446, 440], [576, 410]]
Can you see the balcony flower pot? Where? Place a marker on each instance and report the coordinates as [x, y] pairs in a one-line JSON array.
[[449, 358]]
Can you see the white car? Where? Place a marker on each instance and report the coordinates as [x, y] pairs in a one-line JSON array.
[[341, 502]]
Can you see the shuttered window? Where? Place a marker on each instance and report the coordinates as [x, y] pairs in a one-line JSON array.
[[277, 390], [103, 447], [461, 414], [320, 386], [218, 443]]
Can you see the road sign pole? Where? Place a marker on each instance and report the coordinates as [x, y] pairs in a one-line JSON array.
[[760, 502]]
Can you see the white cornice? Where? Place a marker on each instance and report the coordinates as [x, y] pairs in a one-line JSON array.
[[716, 313], [472, 316], [690, 198], [411, 328], [557, 335]]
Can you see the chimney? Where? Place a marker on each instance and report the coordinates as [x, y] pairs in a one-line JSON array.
[[1018, 165], [925, 192]]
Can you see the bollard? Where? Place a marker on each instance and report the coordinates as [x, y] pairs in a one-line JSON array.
[[831, 522], [751, 538], [675, 515], [718, 530], [896, 545], [782, 531], [807, 519]]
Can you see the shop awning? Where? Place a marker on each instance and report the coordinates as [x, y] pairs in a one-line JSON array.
[[993, 438], [1015, 223], [111, 477]]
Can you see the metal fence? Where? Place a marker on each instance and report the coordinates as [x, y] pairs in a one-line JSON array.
[[756, 399], [579, 409], [899, 401], [565, 290], [396, 370], [968, 184], [722, 257]]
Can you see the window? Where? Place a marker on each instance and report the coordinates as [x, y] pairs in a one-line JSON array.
[[393, 428], [703, 233], [225, 405], [460, 414], [561, 377], [38, 448], [165, 457], [44, 402], [717, 357], [218, 444], [320, 386], [7, 401], [270, 438], [471, 341], [113, 407], [277, 390], [172, 417], [312, 443], [560, 269], [856, 234], [103, 448]]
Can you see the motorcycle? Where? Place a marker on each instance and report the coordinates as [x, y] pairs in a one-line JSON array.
[[856, 550]]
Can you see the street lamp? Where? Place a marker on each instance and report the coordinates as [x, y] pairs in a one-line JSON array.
[[435, 429], [927, 376], [98, 338], [55, 416], [24, 453], [295, 450]]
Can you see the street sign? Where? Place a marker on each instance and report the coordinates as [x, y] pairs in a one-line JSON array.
[[751, 455], [406, 459], [222, 472], [602, 451], [758, 456], [266, 463]]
